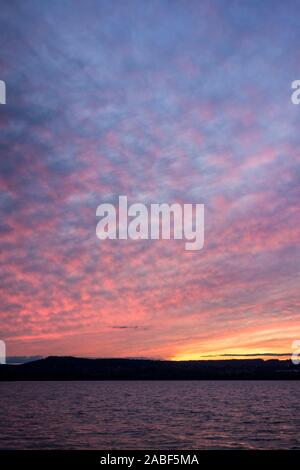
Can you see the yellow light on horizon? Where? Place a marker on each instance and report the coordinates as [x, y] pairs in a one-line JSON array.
[[234, 354]]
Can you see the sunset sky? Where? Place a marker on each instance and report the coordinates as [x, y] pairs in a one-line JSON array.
[[162, 101]]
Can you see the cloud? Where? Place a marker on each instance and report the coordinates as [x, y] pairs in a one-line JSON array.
[[129, 327], [164, 105]]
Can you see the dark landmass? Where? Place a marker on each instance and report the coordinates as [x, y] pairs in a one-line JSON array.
[[21, 359], [72, 368]]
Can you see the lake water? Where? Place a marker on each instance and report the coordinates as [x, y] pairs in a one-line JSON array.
[[150, 415]]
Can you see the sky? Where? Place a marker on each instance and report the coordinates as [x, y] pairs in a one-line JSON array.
[[161, 101]]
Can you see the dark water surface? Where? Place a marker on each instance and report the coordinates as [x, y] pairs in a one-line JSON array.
[[150, 415]]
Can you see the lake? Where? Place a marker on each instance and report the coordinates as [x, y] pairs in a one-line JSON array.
[[150, 415]]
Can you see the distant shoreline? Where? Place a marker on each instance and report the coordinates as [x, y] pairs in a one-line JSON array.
[[73, 368]]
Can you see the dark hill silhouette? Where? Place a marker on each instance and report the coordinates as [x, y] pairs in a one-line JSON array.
[[72, 368]]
